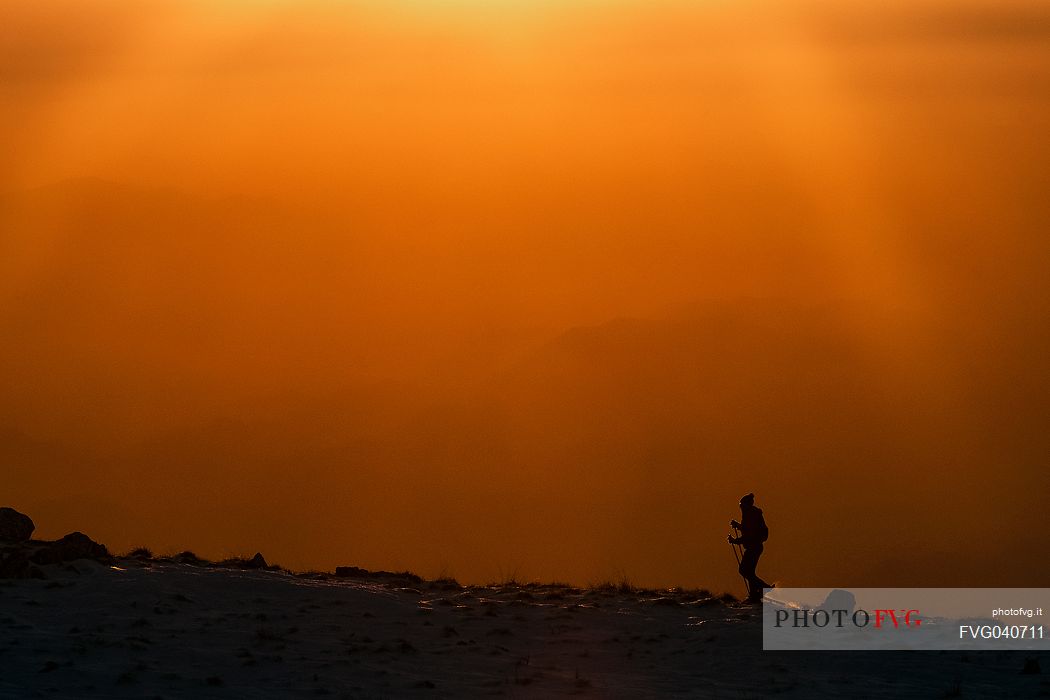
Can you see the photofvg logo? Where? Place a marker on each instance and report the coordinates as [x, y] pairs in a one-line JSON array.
[[903, 618], [841, 617]]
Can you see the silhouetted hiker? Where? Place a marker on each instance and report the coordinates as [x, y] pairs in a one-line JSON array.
[[753, 532]]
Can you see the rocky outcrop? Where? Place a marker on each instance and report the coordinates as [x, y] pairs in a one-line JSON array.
[[15, 563], [839, 599], [15, 526], [21, 557], [75, 545]]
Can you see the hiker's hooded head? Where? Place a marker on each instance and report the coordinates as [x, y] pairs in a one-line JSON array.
[[747, 501]]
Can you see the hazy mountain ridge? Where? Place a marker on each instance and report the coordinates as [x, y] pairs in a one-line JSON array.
[[274, 385]]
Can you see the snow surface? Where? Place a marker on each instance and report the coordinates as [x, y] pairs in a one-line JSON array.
[[168, 630]]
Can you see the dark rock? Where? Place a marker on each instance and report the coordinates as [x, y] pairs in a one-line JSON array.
[[14, 563], [45, 554], [23, 559], [75, 545], [351, 572], [358, 572], [839, 599], [15, 526], [257, 562]]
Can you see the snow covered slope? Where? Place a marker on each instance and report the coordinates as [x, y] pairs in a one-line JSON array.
[[165, 629]]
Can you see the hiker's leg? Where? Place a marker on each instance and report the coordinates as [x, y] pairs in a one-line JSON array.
[[748, 562], [754, 582]]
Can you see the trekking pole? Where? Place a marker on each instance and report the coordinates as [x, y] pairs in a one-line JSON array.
[[736, 555]]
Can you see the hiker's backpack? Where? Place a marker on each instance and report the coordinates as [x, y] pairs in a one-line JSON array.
[[763, 531]]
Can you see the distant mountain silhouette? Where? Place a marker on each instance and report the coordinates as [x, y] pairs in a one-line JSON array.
[[197, 361]]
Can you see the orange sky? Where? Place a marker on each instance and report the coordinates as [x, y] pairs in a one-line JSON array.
[[531, 287]]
